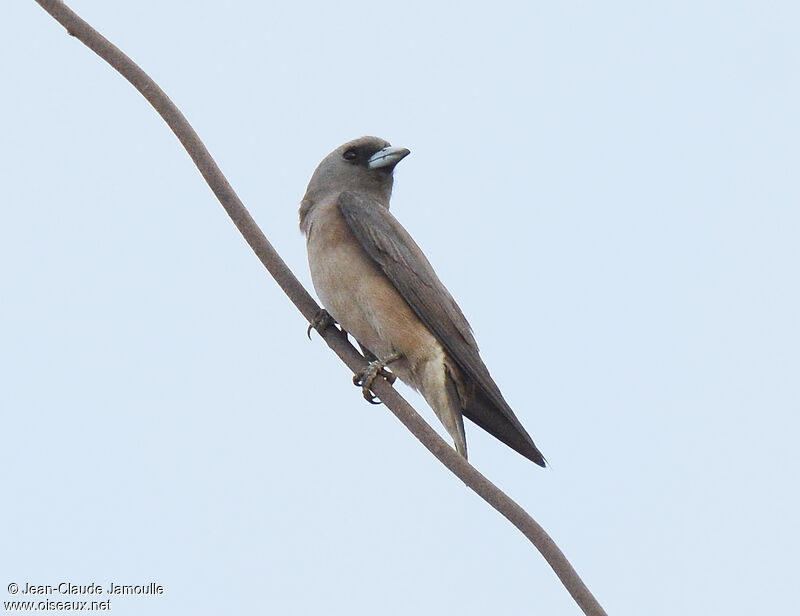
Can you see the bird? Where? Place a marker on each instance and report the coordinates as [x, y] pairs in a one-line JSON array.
[[377, 284]]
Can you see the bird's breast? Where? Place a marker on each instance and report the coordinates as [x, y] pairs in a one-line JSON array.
[[360, 297]]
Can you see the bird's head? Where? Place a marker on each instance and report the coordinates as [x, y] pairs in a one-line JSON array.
[[364, 165]]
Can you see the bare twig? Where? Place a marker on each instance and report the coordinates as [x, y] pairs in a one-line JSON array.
[[309, 308]]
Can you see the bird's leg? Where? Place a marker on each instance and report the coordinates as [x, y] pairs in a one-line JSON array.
[[370, 356], [366, 377], [321, 321]]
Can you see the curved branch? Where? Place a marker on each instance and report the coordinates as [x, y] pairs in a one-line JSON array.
[[335, 339]]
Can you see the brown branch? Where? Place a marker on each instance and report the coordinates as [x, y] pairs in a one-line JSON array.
[[308, 307]]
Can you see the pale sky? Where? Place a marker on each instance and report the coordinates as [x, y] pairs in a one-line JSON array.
[[610, 192]]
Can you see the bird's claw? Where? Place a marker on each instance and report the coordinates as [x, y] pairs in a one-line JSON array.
[[367, 376], [321, 321]]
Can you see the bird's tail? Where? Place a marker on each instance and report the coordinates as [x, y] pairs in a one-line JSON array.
[[488, 417], [499, 422]]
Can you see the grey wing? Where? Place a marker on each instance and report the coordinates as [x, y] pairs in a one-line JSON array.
[[386, 241]]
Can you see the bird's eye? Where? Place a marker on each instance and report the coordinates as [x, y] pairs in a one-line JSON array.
[[349, 155]]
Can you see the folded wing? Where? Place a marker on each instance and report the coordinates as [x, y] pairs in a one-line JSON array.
[[385, 240]]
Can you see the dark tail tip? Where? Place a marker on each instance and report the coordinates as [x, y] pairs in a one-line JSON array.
[[535, 456]]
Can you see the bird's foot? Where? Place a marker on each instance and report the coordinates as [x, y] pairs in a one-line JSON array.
[[367, 376], [321, 321]]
